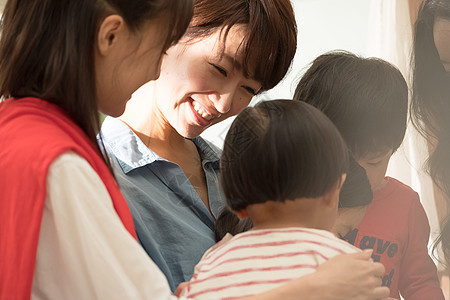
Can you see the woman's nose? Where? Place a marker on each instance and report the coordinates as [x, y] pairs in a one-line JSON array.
[[222, 102]]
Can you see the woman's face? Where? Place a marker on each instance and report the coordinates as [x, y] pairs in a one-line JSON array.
[[441, 32], [134, 60], [202, 83]]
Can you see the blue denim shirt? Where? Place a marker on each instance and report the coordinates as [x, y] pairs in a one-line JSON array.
[[172, 223]]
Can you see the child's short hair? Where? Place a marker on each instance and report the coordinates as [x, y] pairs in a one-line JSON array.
[[356, 190], [366, 98], [281, 150]]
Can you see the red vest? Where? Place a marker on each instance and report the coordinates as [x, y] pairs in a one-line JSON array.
[[33, 133]]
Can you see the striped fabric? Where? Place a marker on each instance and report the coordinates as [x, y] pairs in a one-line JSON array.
[[259, 260]]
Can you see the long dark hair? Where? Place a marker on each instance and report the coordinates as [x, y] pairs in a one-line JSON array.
[[47, 48], [430, 105]]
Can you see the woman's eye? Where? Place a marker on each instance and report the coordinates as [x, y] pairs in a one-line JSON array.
[[221, 70], [250, 90]]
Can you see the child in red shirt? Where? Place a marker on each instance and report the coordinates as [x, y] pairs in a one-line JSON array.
[[367, 99]]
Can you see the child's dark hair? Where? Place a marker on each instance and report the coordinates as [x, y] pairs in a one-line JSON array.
[[281, 150], [356, 190], [366, 98], [228, 222]]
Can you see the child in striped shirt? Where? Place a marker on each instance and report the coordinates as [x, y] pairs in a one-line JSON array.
[[282, 166]]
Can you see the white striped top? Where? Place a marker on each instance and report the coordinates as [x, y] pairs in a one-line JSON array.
[[259, 260]]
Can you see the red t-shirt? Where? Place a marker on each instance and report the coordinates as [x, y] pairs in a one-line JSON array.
[[396, 227]]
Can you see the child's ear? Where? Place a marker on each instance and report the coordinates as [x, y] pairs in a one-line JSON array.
[[341, 183], [332, 197], [242, 214]]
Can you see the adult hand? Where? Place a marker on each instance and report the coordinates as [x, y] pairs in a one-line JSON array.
[[350, 276]]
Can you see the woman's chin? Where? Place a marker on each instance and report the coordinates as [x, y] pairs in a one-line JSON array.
[[191, 133]]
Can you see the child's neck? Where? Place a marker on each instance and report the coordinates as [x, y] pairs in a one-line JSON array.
[[278, 225], [381, 185], [303, 212]]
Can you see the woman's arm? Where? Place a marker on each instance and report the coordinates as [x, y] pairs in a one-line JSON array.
[[348, 276], [84, 250]]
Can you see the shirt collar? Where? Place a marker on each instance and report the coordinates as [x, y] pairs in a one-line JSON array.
[[208, 152], [132, 153]]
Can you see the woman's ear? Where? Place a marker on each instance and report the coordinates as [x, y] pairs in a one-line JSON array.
[[109, 30], [242, 214]]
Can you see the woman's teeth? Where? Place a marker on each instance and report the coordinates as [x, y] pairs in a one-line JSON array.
[[201, 112]]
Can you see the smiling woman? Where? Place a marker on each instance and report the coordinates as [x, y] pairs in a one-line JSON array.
[[207, 82], [168, 174]]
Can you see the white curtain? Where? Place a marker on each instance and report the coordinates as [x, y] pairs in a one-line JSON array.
[[390, 38]]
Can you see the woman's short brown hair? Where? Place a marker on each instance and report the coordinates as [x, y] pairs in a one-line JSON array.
[[270, 43]]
